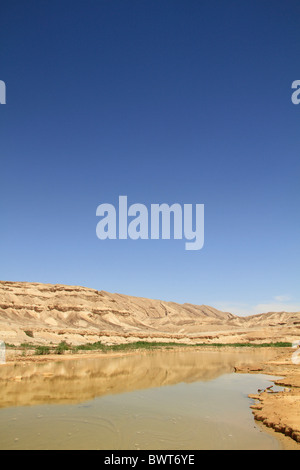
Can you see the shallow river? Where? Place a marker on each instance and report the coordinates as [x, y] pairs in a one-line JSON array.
[[159, 400]]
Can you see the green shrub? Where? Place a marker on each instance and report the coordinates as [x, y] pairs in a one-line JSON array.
[[42, 350], [62, 347]]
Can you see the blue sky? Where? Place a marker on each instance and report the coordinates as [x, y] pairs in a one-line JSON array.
[[166, 102]]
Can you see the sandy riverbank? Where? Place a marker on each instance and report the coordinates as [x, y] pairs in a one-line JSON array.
[[278, 412]]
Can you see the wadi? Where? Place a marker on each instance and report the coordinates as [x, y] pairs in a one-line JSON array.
[[46, 323]]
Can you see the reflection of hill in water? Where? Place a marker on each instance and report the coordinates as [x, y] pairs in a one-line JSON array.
[[74, 381]]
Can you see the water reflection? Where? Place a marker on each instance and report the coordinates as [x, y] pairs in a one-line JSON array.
[[75, 381]]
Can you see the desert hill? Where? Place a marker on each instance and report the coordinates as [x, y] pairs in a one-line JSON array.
[[44, 313]]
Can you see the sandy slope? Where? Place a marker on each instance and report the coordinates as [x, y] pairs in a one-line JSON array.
[[52, 313]]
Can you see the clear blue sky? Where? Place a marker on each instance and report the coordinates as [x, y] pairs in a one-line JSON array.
[[162, 101]]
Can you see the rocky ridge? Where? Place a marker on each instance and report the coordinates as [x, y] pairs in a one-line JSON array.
[[51, 313]]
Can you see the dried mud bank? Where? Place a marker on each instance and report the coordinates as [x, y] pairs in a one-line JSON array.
[[279, 410]]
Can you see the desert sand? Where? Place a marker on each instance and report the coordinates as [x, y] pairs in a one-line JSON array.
[[43, 314]]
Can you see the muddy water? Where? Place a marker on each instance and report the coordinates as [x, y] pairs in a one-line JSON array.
[[159, 400]]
